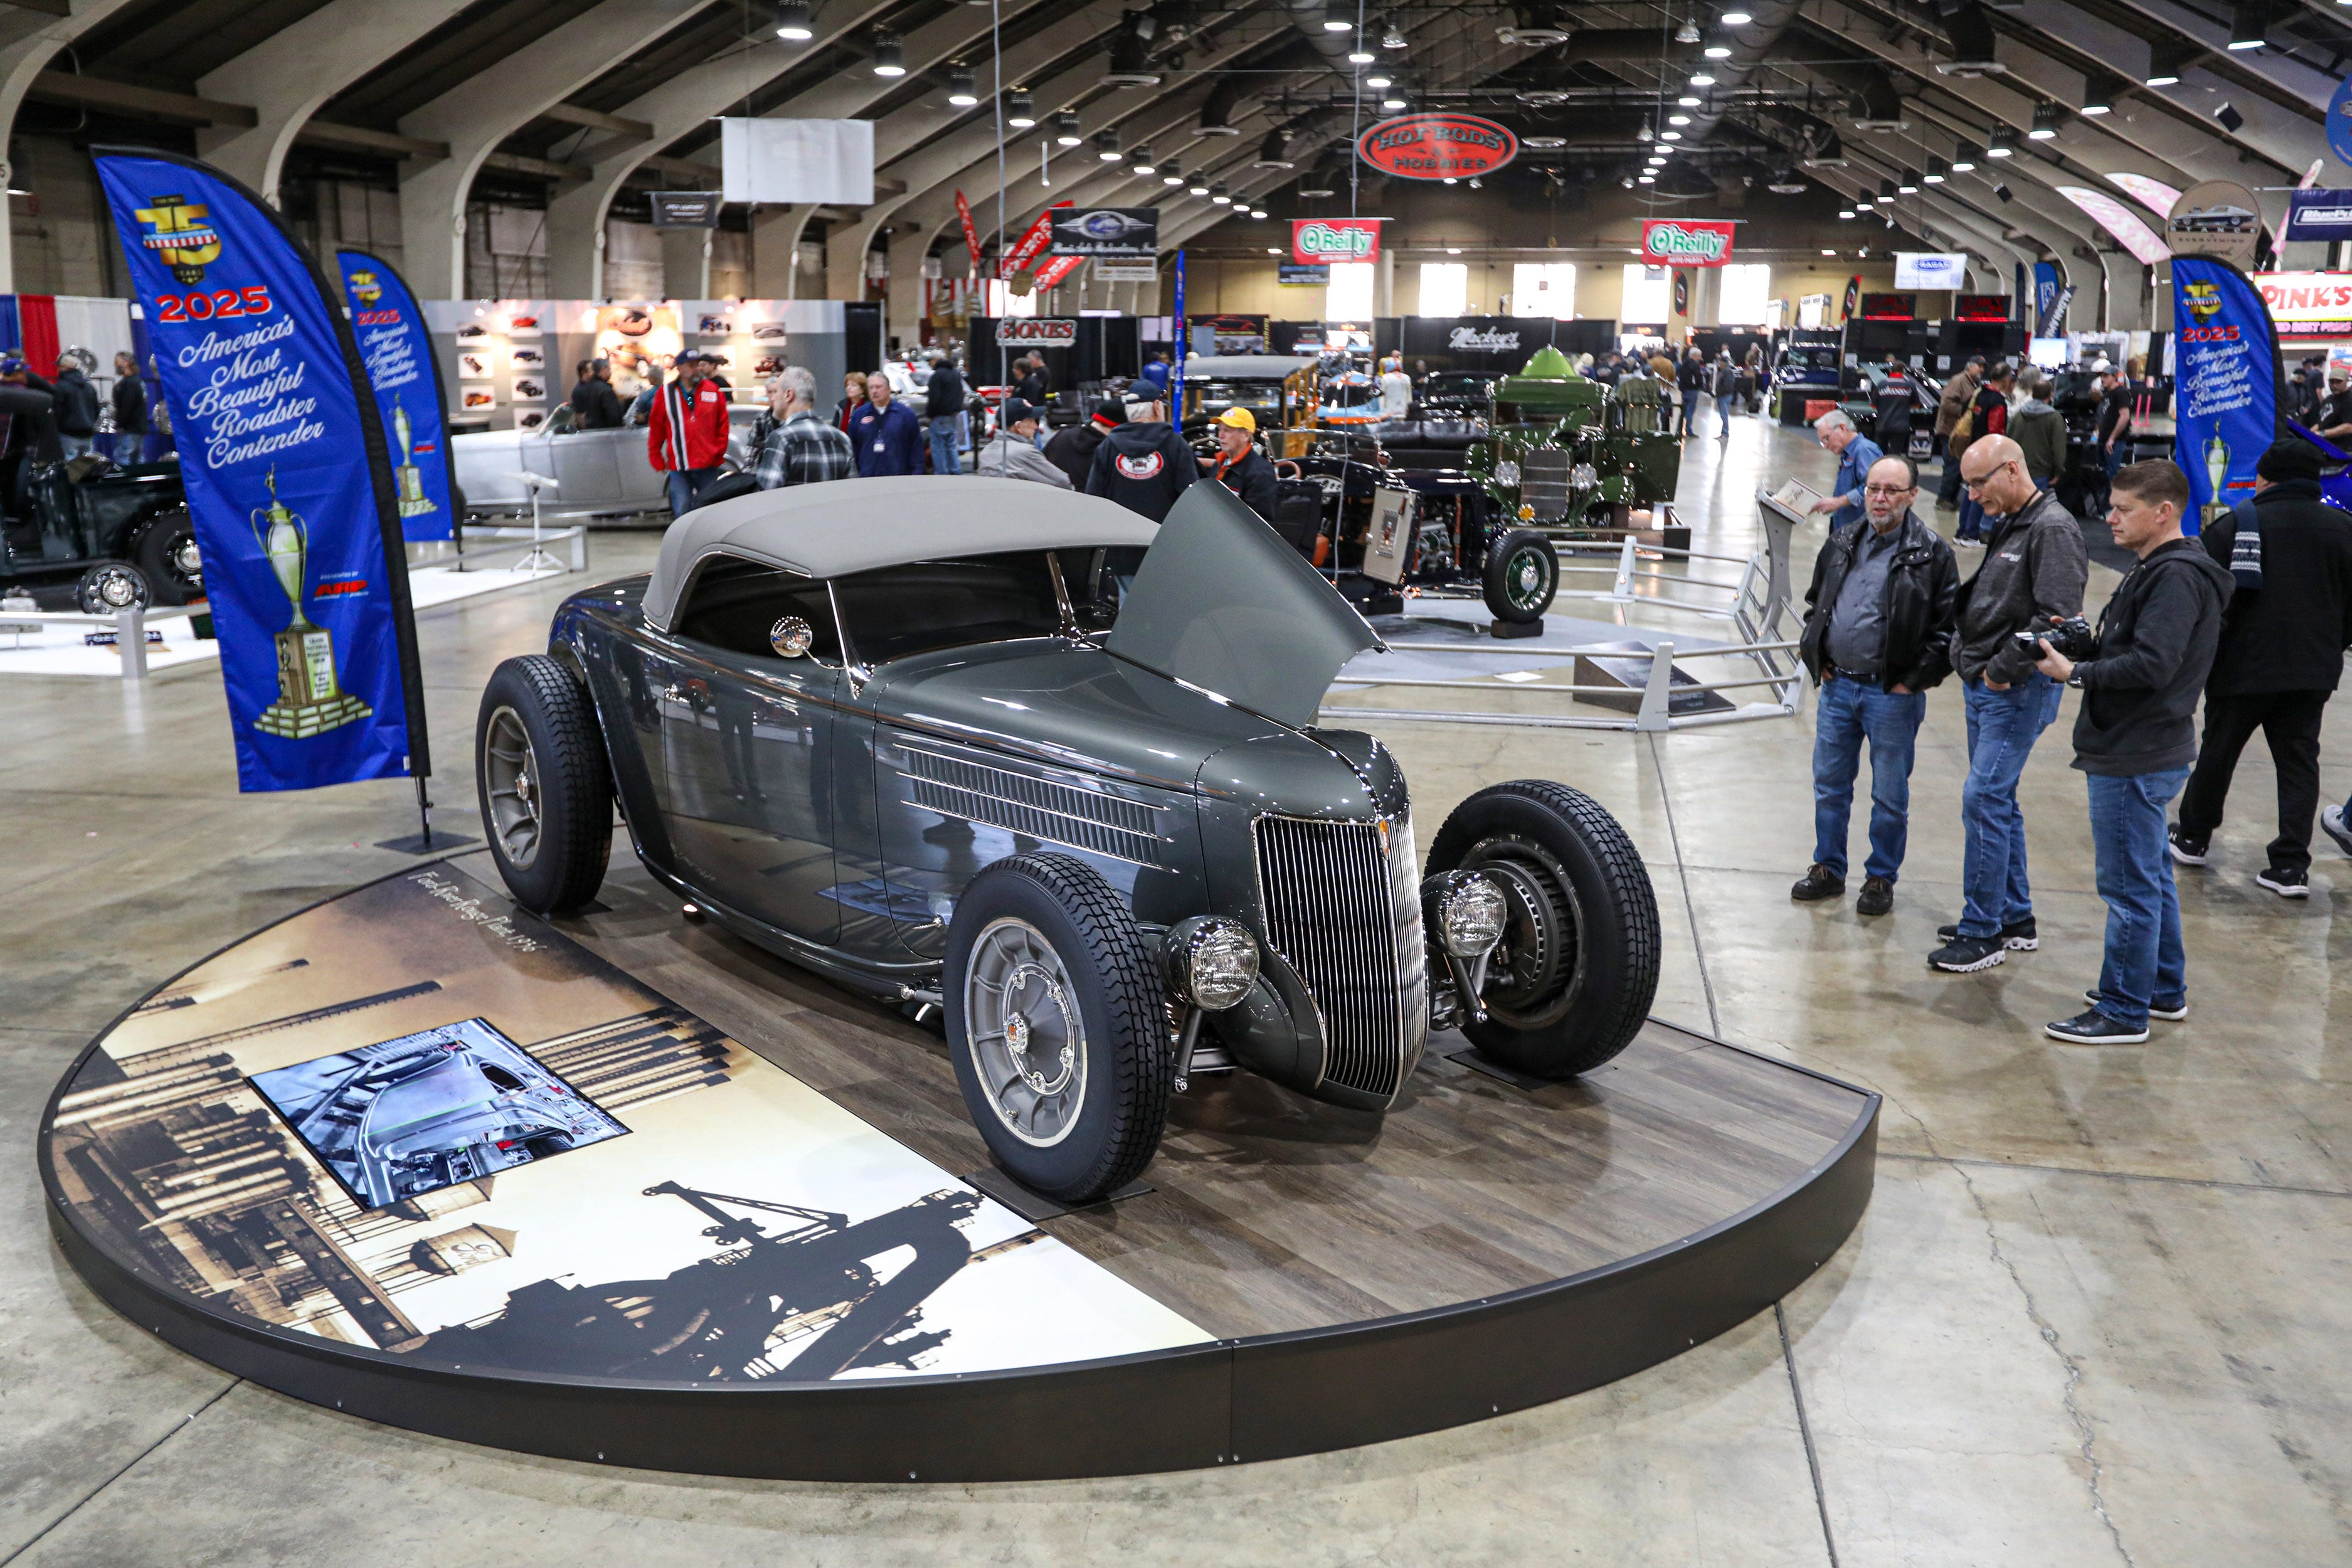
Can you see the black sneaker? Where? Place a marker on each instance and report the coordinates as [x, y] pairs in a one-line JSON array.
[[2187, 850], [1967, 954], [1877, 897], [2285, 883], [2018, 936], [1820, 883], [2169, 1014], [2094, 1028]]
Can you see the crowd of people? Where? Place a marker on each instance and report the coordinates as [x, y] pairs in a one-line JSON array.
[[2253, 615]]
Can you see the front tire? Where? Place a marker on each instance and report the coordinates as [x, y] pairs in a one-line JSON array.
[[1057, 1026], [547, 797], [1574, 978], [112, 586], [1522, 576], [166, 553]]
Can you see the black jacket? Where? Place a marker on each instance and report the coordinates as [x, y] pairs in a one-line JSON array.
[[2034, 566], [1034, 388], [1252, 479], [1072, 451], [944, 393], [1922, 582], [1144, 467], [1691, 374], [2157, 638], [2290, 634], [130, 405], [596, 406], [77, 402]]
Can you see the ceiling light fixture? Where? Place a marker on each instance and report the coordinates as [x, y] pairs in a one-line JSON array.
[[1718, 47], [1020, 108], [1702, 78], [889, 59], [1886, 192], [1219, 195], [1845, 212], [2002, 143], [793, 22], [960, 87], [1199, 185], [1393, 100], [1938, 172], [1392, 37], [1738, 17], [1066, 129], [2099, 92], [2045, 122], [1337, 24], [1687, 33], [1257, 212], [1141, 160], [1966, 156], [1688, 100], [1380, 78], [2249, 20], [1670, 135], [1106, 146], [1678, 120], [1172, 178], [2167, 59], [1360, 55], [1909, 184], [1645, 179], [1453, 250]]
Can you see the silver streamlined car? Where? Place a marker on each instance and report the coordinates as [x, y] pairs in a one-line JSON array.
[[602, 472], [1022, 754]]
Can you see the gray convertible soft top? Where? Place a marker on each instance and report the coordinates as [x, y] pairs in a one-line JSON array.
[[1247, 367], [857, 525]]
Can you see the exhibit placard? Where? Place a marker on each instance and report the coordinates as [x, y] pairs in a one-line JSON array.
[[1328, 239], [786, 161], [2218, 218], [686, 210], [1931, 269], [289, 486], [1437, 146], [1303, 275], [1114, 269], [1106, 231], [1688, 242]]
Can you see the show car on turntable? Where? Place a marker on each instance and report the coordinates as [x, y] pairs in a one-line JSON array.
[[1022, 754]]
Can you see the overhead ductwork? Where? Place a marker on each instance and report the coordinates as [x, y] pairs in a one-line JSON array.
[[1636, 45], [1768, 19], [1130, 52]]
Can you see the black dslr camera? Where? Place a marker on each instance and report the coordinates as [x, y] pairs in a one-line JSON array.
[[2072, 636]]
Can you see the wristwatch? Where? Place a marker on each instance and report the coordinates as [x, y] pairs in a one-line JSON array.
[[2074, 676]]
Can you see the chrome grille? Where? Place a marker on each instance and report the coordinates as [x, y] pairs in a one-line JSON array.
[[1543, 481], [1334, 914], [1033, 808]]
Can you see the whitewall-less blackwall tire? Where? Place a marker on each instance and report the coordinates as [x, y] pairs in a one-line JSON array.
[[546, 795]]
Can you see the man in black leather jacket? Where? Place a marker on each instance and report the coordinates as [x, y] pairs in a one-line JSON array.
[[1877, 634]]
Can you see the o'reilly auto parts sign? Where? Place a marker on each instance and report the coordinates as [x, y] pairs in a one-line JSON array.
[[1317, 240], [1036, 332], [1687, 242]]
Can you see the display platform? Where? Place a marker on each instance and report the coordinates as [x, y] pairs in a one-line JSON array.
[[622, 1189]]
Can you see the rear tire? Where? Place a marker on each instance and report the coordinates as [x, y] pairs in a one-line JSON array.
[[165, 552], [111, 586], [546, 794], [1071, 1098], [1522, 576], [1578, 967]]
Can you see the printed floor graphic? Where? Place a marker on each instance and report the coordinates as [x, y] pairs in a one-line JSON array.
[[481, 1144]]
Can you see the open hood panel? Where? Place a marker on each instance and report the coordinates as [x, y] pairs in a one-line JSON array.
[[1222, 603]]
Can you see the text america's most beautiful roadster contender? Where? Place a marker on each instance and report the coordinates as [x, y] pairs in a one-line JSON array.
[[1023, 753]]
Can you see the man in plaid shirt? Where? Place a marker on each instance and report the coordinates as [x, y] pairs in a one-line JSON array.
[[796, 445]]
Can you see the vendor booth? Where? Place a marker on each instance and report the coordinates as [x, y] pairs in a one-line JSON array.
[[1079, 350], [1497, 345]]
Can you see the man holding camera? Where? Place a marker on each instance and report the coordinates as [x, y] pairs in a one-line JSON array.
[[2136, 737], [1877, 634], [2033, 575]]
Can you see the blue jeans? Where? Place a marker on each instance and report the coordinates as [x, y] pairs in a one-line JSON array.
[[126, 446], [1690, 412], [1972, 516], [2002, 728], [76, 446], [684, 485], [2145, 961], [943, 445], [1849, 712]]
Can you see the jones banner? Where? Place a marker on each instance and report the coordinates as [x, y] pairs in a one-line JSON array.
[[405, 374], [287, 483], [2230, 385], [1687, 242]]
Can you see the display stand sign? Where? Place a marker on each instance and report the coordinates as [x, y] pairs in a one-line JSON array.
[[2218, 218], [2231, 382], [405, 375], [287, 479], [1688, 242]]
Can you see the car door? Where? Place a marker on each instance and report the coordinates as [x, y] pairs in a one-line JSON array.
[[742, 756]]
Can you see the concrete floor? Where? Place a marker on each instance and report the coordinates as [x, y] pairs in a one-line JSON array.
[[2099, 1311]]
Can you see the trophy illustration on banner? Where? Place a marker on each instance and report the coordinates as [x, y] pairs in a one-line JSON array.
[[2217, 469], [310, 699], [405, 479]]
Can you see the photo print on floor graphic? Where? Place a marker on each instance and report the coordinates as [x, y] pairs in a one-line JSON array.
[[746, 1227], [410, 1116]]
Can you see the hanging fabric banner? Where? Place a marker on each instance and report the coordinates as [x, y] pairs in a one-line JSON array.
[[1031, 243], [2230, 385], [1059, 267], [971, 232], [405, 374], [283, 458]]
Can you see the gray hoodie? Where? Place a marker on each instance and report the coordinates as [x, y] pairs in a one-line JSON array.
[[1008, 456], [2040, 430]]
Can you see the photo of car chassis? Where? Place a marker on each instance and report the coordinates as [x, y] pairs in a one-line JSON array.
[[1032, 759]]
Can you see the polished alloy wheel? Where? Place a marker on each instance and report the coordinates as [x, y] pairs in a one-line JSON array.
[[510, 770], [116, 588], [1529, 579], [186, 561], [1027, 1041]]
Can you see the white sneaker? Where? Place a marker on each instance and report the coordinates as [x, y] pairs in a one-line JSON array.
[[2332, 822]]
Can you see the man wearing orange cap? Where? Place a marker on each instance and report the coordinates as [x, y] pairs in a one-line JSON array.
[[1239, 465]]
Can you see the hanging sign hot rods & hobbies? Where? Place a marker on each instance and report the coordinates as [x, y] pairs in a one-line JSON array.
[[1437, 146]]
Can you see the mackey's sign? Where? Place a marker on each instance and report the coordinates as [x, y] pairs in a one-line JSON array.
[[1437, 146], [1687, 242], [1316, 240]]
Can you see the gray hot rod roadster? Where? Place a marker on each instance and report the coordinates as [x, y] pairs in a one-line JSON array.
[[1025, 755]]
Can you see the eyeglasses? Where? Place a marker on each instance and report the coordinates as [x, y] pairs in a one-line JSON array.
[[1888, 490], [1986, 477]]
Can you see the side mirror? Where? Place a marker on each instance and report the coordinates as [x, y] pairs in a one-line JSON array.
[[791, 637]]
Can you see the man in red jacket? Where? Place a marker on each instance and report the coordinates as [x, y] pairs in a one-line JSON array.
[[687, 433]]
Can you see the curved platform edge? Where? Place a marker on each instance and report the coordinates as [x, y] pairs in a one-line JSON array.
[[1194, 1407]]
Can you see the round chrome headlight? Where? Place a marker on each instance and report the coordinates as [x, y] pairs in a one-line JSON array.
[[1507, 472], [1583, 477], [1211, 959], [1466, 911]]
